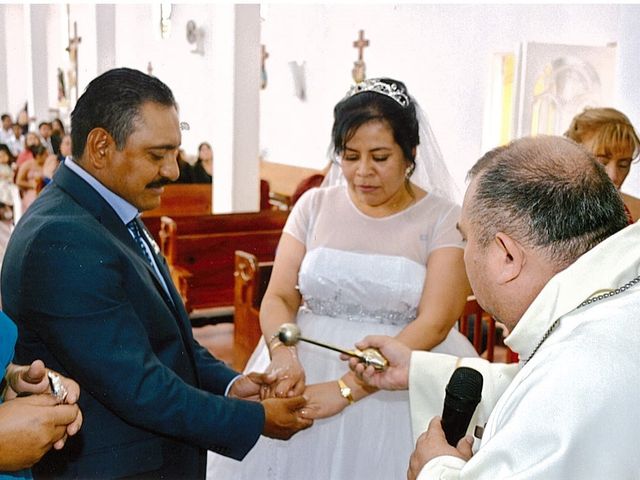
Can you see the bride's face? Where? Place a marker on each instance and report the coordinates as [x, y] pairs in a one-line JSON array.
[[375, 167]]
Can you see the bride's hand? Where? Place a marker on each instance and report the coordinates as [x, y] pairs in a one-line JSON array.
[[288, 371], [323, 400]]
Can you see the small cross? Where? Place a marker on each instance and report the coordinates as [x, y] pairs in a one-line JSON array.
[[361, 44]]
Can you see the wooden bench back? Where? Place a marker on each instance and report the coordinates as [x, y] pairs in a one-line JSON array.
[[480, 328], [251, 279], [183, 199], [200, 251]]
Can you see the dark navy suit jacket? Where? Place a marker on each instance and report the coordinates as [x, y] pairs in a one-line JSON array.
[[88, 304]]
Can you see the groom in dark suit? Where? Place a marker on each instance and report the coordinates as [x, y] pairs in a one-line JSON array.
[[94, 300]]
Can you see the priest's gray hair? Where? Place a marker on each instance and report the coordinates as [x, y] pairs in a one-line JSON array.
[[546, 192]]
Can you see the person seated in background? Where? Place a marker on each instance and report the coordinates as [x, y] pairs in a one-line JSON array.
[[23, 120], [52, 162], [57, 134], [5, 128], [29, 176], [610, 136], [31, 425], [31, 139], [16, 141], [44, 128], [202, 170], [547, 253], [7, 196], [7, 160]]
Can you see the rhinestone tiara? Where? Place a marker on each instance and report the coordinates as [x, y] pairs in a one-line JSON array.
[[391, 90]]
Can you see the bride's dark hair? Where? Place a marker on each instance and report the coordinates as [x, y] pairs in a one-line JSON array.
[[361, 107]]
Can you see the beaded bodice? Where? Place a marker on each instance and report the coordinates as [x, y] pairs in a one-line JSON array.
[[361, 286]]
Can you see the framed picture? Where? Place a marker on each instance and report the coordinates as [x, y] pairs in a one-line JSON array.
[[555, 82]]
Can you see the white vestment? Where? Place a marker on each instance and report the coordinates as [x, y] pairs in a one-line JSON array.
[[571, 411]]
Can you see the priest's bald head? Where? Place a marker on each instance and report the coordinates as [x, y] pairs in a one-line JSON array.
[[532, 208]]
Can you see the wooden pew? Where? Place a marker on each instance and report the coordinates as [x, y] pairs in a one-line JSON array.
[[250, 282], [283, 180], [179, 199], [189, 200], [480, 328], [200, 251]]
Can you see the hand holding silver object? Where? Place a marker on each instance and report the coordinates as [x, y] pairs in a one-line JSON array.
[[289, 334], [58, 390]]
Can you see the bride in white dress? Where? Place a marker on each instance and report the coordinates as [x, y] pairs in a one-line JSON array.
[[374, 253]]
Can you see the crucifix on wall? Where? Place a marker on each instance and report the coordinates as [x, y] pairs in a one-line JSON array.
[[74, 43], [359, 67], [263, 69]]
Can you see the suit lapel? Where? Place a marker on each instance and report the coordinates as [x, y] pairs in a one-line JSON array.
[[177, 302], [95, 204]]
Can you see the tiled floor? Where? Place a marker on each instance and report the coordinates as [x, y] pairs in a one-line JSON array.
[[218, 339]]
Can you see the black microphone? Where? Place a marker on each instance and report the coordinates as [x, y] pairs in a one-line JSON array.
[[463, 394]]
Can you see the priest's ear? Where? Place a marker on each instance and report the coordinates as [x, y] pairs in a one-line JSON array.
[[511, 258], [98, 148]]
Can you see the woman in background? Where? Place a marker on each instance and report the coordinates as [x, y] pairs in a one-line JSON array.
[[31, 139], [202, 170], [57, 134], [609, 135], [29, 176]]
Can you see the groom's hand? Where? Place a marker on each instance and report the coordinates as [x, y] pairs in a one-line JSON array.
[[282, 417], [251, 386]]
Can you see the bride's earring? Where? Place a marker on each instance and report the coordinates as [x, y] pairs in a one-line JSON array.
[[409, 171]]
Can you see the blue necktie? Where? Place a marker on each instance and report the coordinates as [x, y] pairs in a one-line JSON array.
[[136, 231], [137, 235]]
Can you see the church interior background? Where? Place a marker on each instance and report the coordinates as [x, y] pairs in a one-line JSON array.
[[259, 81]]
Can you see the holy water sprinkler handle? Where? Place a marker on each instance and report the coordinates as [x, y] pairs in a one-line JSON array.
[[289, 334]]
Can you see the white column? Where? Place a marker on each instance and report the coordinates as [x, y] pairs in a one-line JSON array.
[[235, 111], [105, 37], [35, 38]]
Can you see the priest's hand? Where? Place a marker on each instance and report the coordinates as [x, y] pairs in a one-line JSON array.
[[324, 400], [283, 417], [32, 379], [30, 426], [250, 386], [432, 444], [396, 375], [290, 378]]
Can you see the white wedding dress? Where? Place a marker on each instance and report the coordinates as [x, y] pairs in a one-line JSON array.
[[360, 276]]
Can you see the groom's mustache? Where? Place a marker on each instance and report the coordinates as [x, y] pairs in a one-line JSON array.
[[159, 183]]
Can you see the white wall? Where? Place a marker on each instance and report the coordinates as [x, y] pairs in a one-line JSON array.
[[14, 64], [189, 75], [442, 53]]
